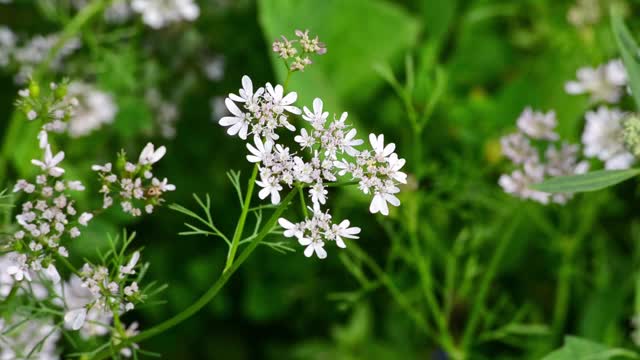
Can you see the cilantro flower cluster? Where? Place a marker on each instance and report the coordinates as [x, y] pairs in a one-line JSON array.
[[47, 219], [328, 149], [298, 50], [98, 293], [536, 132], [133, 185]]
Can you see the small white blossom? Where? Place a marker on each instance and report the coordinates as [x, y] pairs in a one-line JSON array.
[[160, 13], [604, 83], [538, 125], [150, 155], [602, 138], [50, 162]]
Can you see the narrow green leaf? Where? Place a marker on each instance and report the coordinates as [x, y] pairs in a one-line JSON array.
[[595, 180], [629, 52], [578, 348]]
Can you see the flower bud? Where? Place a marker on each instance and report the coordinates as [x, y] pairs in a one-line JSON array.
[[60, 91], [631, 133], [34, 89]]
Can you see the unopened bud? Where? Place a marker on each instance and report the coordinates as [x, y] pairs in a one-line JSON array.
[[631, 133]]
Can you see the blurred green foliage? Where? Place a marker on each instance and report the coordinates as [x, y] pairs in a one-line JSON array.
[[565, 270]]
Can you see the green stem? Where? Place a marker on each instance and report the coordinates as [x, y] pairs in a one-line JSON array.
[[397, 295], [235, 242], [563, 288], [422, 263], [211, 292], [483, 291], [286, 81], [303, 203]]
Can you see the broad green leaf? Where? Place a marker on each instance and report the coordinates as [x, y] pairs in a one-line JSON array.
[[578, 348], [595, 180], [358, 34], [629, 52]]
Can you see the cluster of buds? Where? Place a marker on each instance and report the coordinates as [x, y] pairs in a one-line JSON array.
[[53, 107], [299, 55], [134, 185], [631, 134]]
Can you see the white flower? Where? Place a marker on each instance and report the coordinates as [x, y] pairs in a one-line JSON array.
[[382, 197], [239, 123], [291, 229], [32, 115], [50, 162], [395, 164], [260, 151], [518, 149], [343, 230], [129, 268], [316, 117], [160, 13], [85, 218], [150, 155], [75, 185], [538, 125], [282, 102], [95, 108], [349, 142], [103, 168], [305, 139], [63, 251], [313, 246], [247, 95], [604, 83], [52, 273], [519, 182], [377, 143], [270, 187], [163, 185], [318, 193], [42, 139], [75, 318], [602, 138], [19, 268]]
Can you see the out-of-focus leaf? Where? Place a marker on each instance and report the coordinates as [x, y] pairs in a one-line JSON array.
[[595, 180], [358, 34], [577, 348], [437, 16], [630, 53]]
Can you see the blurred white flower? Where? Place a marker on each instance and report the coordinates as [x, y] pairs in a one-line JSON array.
[[36, 50], [518, 183], [538, 125], [76, 297], [602, 138], [28, 338], [214, 68], [606, 83], [584, 12], [95, 108], [161, 13], [7, 45]]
